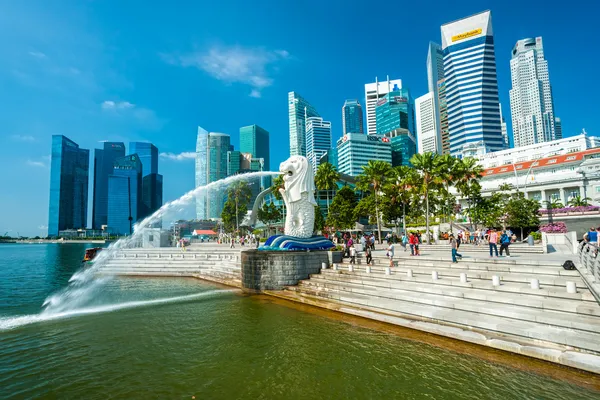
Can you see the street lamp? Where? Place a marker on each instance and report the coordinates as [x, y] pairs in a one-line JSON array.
[[533, 164]]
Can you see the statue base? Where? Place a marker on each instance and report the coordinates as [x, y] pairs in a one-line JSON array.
[[291, 243]]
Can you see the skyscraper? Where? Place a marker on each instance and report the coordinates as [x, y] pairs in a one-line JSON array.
[[355, 150], [299, 109], [395, 119], [104, 160], [531, 104], [148, 155], [124, 194], [318, 140], [443, 110], [234, 159], [558, 128], [471, 85], [211, 166], [373, 92], [69, 172], [504, 129], [426, 121], [352, 117], [435, 72], [255, 140]]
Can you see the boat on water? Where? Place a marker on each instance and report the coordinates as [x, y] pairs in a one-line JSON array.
[[90, 254]]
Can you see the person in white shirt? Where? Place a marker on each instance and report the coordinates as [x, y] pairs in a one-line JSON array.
[[390, 254]]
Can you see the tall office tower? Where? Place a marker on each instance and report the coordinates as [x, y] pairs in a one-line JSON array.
[[396, 120], [124, 194], [148, 155], [471, 86], [234, 159], [352, 117], [211, 165], [299, 109], [435, 72], [504, 129], [318, 140], [248, 163], [531, 104], [201, 171], [104, 160], [427, 135], [444, 131], [355, 150], [255, 140], [373, 92], [69, 172], [558, 128]]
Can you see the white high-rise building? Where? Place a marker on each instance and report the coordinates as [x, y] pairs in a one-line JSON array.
[[531, 104], [355, 150], [318, 140], [373, 92], [428, 139], [299, 109], [504, 129], [435, 72]]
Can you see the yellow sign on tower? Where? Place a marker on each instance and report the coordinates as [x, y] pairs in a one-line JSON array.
[[466, 35]]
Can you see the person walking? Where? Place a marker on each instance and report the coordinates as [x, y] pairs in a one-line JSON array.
[[504, 243], [352, 255], [390, 254], [454, 246], [404, 240], [493, 242], [372, 241], [363, 243], [369, 254], [414, 244]]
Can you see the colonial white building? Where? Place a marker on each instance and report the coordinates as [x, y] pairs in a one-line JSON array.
[[374, 91]]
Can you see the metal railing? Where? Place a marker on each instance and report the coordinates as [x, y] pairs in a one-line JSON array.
[[589, 267]]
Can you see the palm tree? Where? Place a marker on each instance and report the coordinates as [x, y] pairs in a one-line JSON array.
[[326, 179], [403, 180], [448, 173], [375, 174], [429, 166], [468, 173], [577, 201], [553, 204]]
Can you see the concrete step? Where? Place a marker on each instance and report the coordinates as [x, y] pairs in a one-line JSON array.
[[474, 261], [398, 276], [571, 305], [469, 319]]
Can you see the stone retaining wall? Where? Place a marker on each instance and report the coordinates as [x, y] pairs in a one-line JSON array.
[[274, 270]]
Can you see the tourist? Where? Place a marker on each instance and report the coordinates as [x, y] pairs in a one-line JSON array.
[[388, 238], [454, 246], [369, 254], [363, 243], [591, 237], [459, 239], [390, 254], [414, 244], [352, 254], [404, 240], [476, 237], [372, 241], [504, 243], [493, 240]]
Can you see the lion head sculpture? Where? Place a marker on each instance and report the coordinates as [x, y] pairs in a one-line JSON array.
[[298, 178]]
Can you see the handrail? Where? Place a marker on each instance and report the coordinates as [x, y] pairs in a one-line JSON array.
[[589, 267]]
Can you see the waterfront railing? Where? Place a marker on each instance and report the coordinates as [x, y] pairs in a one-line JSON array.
[[589, 267]]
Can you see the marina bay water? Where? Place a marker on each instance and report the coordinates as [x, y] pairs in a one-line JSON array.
[[178, 338]]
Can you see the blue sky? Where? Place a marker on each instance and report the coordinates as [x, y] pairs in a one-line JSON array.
[[154, 71]]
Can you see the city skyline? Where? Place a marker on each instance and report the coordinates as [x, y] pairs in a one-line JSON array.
[[121, 107]]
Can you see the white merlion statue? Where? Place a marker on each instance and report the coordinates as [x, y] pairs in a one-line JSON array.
[[299, 196]]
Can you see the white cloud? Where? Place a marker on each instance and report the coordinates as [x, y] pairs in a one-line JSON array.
[[23, 138], [38, 164], [186, 155], [116, 105], [249, 66], [43, 227], [37, 54]]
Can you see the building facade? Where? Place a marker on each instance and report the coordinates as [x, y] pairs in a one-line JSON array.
[[443, 111], [471, 85], [148, 155], [435, 73], [426, 124], [234, 159], [354, 150], [125, 194], [255, 140], [152, 181], [396, 120], [318, 140], [201, 171], [104, 160], [558, 128], [504, 129], [352, 117], [373, 92], [404, 146], [531, 104], [299, 109], [69, 173]]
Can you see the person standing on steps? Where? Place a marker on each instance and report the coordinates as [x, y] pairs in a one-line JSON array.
[[352, 254], [390, 254], [369, 254], [493, 241], [504, 243], [454, 245]]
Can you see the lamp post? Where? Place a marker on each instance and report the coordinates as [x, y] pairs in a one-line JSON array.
[[533, 164]]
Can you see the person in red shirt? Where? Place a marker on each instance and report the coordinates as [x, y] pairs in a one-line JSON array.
[[413, 240], [493, 241]]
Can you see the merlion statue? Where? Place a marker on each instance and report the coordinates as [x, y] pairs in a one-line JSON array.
[[299, 196]]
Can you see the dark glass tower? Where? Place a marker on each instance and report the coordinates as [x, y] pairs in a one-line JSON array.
[[352, 117], [152, 188], [69, 175], [124, 194], [104, 160]]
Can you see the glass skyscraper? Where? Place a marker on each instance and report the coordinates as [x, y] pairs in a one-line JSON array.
[[471, 86], [124, 194], [233, 161], [104, 160], [352, 117], [255, 140], [69, 173], [201, 171], [299, 109], [318, 140], [211, 165], [148, 155]]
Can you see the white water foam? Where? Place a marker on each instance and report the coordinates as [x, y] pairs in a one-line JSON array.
[[84, 283], [8, 323]]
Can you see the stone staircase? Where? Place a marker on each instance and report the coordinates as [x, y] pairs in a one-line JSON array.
[[516, 248], [216, 265], [548, 323]]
